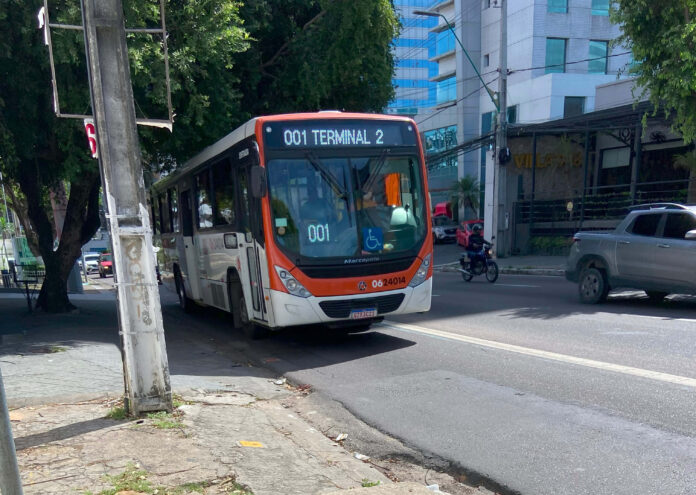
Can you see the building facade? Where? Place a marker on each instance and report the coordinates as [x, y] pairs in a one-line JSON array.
[[558, 52], [415, 92]]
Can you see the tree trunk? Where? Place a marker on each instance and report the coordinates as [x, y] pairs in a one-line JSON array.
[[53, 297], [59, 204], [81, 222]]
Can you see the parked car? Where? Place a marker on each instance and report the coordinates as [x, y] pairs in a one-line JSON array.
[[653, 249], [465, 229], [444, 229], [91, 262], [106, 264]]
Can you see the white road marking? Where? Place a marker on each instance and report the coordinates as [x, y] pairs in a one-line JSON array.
[[518, 285], [564, 358], [664, 318]]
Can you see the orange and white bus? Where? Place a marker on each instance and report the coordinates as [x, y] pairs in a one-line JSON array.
[[299, 219]]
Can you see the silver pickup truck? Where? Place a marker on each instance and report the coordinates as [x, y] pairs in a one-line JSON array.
[[653, 249]]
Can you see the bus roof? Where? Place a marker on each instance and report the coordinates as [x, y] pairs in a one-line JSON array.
[[249, 128]]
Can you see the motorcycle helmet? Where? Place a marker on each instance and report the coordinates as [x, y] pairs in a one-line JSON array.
[[476, 228]]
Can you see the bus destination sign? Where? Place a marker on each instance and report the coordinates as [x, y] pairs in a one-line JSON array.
[[338, 133]]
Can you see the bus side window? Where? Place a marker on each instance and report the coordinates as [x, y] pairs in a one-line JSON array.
[[186, 213], [173, 209], [223, 180], [165, 223], [155, 217], [244, 221], [205, 206]]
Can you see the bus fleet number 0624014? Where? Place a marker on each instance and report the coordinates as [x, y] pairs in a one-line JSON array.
[[386, 282]]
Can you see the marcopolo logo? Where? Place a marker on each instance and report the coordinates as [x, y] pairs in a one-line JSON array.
[[362, 285]]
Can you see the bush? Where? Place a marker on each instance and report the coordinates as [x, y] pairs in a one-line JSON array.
[[550, 245]]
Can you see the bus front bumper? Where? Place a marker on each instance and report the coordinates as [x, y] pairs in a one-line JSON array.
[[289, 310]]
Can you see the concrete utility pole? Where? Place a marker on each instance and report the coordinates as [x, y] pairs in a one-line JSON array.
[[145, 367], [500, 225], [10, 482]]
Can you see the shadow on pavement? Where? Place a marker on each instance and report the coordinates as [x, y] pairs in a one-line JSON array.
[[621, 303], [62, 433], [536, 297], [301, 348]]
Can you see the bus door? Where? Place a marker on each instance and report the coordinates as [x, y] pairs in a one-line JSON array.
[[253, 253], [190, 258]]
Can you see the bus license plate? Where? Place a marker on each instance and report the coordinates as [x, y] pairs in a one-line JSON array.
[[359, 314]]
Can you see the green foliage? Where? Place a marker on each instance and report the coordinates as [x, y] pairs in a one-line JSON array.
[[178, 401], [550, 245], [662, 37], [228, 62], [165, 421], [468, 191], [310, 55], [366, 483], [204, 38], [686, 161], [132, 478], [117, 413]]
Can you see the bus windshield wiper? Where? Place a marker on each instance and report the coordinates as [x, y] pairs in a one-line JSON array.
[[328, 176], [375, 172]]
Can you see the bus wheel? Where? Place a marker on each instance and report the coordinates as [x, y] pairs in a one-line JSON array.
[[250, 329], [184, 302], [234, 292]]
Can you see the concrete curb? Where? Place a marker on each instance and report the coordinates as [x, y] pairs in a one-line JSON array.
[[509, 270]]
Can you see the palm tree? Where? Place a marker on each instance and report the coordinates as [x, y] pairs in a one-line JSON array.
[[688, 161], [468, 190]]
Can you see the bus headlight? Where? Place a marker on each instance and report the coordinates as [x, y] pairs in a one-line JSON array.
[[291, 284], [421, 273]]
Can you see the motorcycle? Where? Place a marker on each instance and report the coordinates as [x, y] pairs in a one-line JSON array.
[[480, 263]]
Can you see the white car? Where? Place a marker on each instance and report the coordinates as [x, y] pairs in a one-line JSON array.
[[444, 229], [91, 262]]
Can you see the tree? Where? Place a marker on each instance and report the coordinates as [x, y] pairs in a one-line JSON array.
[[39, 151], [312, 55], [229, 61], [662, 37], [687, 161], [467, 191]]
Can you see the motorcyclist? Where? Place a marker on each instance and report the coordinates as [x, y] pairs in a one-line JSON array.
[[476, 241]]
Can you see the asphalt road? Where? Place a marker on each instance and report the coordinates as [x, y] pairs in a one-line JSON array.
[[519, 383], [514, 381]]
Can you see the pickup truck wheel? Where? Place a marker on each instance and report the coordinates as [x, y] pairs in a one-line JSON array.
[[592, 287], [656, 296]]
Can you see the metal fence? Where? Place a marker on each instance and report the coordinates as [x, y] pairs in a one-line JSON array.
[[599, 203]]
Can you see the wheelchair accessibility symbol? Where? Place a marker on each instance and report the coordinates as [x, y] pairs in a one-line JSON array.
[[373, 239]]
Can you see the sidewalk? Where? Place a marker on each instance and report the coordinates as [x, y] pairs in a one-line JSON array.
[[520, 265], [235, 429]]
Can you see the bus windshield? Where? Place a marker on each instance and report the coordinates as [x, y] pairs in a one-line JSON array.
[[337, 206]]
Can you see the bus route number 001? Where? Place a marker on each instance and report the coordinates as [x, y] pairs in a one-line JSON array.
[[318, 233], [296, 137]]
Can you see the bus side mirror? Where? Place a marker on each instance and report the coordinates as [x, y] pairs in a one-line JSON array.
[[258, 181]]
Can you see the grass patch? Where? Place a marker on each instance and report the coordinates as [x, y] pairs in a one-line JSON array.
[[56, 348], [164, 420], [367, 483], [135, 479], [178, 401], [117, 413], [131, 479], [187, 488]]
